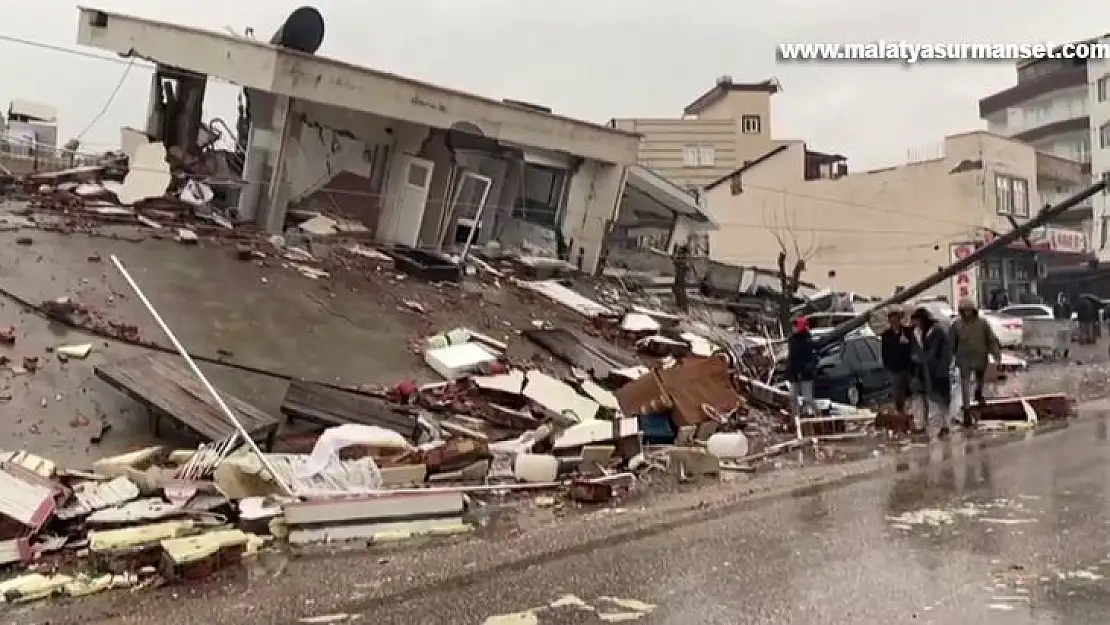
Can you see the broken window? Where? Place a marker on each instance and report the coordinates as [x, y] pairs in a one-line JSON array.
[[541, 195]]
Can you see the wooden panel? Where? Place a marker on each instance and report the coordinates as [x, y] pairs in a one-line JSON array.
[[331, 406], [158, 382]]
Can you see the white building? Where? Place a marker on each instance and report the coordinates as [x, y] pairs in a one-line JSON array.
[[417, 163], [1061, 106]]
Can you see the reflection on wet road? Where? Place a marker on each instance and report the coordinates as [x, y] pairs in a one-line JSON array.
[[1019, 534]]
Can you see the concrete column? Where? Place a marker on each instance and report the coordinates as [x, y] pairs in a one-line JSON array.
[[153, 106], [254, 170], [287, 126]]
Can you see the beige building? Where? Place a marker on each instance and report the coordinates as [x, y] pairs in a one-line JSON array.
[[718, 132], [873, 231]]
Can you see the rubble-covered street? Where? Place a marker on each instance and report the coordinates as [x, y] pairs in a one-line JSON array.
[[522, 402], [999, 533]]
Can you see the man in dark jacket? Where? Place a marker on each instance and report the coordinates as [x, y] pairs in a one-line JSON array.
[[801, 366], [897, 343], [933, 359]]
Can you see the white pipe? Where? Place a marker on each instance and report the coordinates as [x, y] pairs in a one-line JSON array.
[[203, 379]]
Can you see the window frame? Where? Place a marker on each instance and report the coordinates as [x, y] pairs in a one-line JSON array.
[[751, 124]]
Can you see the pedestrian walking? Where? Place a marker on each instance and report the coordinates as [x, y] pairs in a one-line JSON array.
[[897, 350], [932, 360], [973, 343], [801, 367]]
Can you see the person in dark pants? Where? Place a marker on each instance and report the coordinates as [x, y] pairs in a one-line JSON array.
[[897, 343], [933, 360], [801, 366]]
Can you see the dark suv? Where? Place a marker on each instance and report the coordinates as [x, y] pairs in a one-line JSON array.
[[851, 372]]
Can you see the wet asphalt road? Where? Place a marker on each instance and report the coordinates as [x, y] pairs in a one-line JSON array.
[[1023, 536]]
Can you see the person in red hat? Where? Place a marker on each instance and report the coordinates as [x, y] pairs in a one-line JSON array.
[[801, 366]]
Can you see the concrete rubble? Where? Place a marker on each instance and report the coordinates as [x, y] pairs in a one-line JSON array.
[[631, 395]]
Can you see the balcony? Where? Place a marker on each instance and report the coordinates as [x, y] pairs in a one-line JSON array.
[[1032, 88], [1073, 216]]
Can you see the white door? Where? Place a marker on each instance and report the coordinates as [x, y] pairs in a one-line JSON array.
[[400, 222], [467, 206]]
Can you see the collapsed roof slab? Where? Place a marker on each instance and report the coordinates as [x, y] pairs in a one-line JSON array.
[[259, 65]]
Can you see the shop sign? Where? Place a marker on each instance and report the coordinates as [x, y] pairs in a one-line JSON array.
[[965, 284]]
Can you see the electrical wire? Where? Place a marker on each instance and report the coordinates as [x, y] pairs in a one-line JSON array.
[[108, 103]]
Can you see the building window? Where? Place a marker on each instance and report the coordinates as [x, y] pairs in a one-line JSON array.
[[1103, 88], [541, 196], [1083, 150], [707, 156], [1011, 195], [751, 124], [1102, 235], [1104, 136], [690, 156], [700, 155]]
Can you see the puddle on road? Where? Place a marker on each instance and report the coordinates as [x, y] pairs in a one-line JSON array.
[[999, 511], [606, 609]]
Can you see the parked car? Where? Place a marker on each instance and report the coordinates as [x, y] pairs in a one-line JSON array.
[[1027, 311], [851, 371], [1009, 330], [823, 323]]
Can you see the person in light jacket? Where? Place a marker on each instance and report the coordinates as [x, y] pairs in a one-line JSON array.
[[973, 344], [932, 360]]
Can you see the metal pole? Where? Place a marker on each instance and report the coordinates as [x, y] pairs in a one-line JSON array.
[[1040, 219], [203, 379]]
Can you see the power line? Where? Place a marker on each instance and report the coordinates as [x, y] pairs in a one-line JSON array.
[[74, 51], [108, 103]]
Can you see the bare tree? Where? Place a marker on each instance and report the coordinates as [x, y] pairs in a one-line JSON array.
[[790, 264]]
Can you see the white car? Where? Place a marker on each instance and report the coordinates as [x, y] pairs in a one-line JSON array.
[[1027, 311], [1008, 330], [822, 323]]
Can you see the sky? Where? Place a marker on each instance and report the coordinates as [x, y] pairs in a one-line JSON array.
[[592, 59]]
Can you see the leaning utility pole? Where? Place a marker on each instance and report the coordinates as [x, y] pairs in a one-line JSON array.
[[1042, 218]]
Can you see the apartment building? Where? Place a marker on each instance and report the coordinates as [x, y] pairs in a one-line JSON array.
[[719, 131], [871, 232], [1060, 106]]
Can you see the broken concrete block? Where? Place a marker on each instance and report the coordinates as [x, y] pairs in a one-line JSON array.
[[255, 514], [559, 398], [536, 468], [117, 466], [33, 587], [124, 549], [403, 475], [594, 457], [365, 517], [457, 361], [694, 461], [198, 557]]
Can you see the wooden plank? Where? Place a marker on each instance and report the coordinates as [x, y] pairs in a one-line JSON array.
[[331, 406], [159, 383]]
